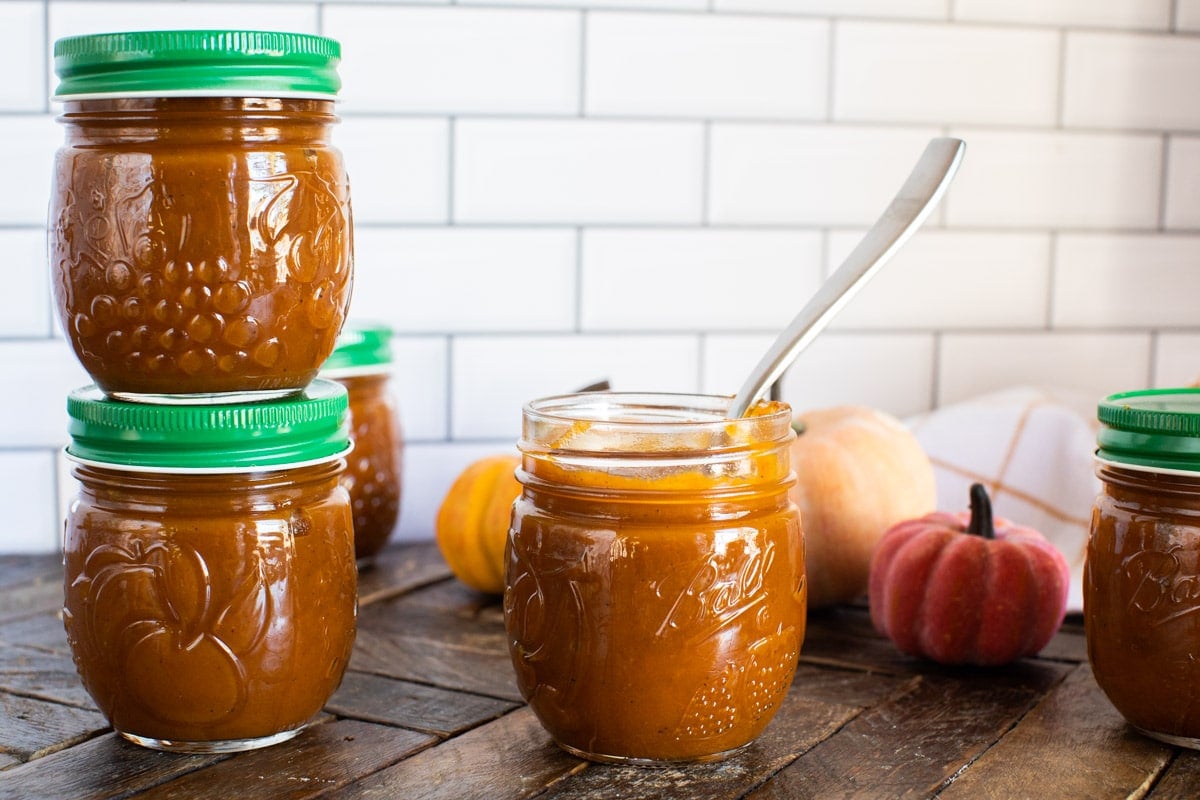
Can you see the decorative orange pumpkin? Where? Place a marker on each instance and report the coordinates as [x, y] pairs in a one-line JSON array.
[[962, 589], [859, 471], [472, 522]]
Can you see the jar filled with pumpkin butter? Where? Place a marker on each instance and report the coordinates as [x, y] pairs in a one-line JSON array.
[[210, 582], [655, 597], [200, 226], [1141, 580], [362, 363]]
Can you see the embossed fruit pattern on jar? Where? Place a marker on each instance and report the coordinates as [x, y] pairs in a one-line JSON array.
[[361, 362], [200, 245], [655, 602], [210, 580], [206, 622]]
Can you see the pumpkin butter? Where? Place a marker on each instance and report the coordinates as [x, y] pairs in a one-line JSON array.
[[655, 599]]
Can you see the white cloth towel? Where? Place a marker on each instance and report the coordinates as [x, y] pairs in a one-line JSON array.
[[1033, 448]]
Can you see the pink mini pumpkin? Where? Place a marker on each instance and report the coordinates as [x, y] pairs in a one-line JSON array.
[[960, 589]]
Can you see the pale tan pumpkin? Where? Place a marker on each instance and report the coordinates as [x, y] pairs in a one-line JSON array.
[[859, 472], [472, 522]]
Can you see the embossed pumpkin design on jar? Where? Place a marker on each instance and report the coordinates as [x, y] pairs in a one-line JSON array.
[[200, 225], [362, 363], [210, 582], [655, 598], [1141, 582]]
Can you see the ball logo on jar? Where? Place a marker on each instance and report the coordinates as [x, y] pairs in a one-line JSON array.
[[723, 587], [1161, 586]]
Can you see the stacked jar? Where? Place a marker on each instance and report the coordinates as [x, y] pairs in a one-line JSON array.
[[201, 250], [362, 363]]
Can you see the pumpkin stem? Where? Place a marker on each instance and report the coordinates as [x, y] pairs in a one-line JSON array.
[[981, 523], [798, 426]]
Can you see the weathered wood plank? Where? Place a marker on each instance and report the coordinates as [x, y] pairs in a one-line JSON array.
[[428, 660], [511, 757], [16, 569], [445, 635], [913, 743], [412, 705], [100, 768], [1076, 738], [43, 630], [844, 636], [31, 728], [819, 704], [448, 608], [44, 593], [1069, 644], [400, 568], [43, 675], [323, 758], [1181, 781]]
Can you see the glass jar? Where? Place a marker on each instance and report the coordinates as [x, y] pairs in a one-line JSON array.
[[361, 362], [1141, 587], [655, 597], [200, 227], [209, 566]]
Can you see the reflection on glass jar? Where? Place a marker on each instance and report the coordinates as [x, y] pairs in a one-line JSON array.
[[1142, 576], [361, 362], [200, 226], [655, 599], [210, 578]]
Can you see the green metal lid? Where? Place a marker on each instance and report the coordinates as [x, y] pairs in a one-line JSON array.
[[234, 437], [197, 63], [1153, 428], [361, 348]]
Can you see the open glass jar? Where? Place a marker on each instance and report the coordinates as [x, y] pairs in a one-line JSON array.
[[362, 363], [209, 566], [1141, 587], [200, 225], [655, 597]]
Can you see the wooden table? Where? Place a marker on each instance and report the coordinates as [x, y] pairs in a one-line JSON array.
[[429, 709]]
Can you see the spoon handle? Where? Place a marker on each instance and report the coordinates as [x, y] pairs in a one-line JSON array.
[[908, 209]]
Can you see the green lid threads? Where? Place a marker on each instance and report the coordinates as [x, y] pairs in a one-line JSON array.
[[236, 437], [1153, 429], [197, 63], [361, 349]]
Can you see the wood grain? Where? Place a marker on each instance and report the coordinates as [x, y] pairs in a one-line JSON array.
[[1075, 735], [413, 705], [915, 741], [104, 767], [323, 758], [430, 709], [1181, 780], [511, 757], [398, 570]]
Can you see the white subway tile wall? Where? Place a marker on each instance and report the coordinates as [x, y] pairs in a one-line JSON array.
[[553, 192]]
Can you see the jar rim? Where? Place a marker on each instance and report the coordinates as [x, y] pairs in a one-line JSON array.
[[653, 422]]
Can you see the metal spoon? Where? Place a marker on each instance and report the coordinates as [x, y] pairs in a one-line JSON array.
[[908, 209]]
